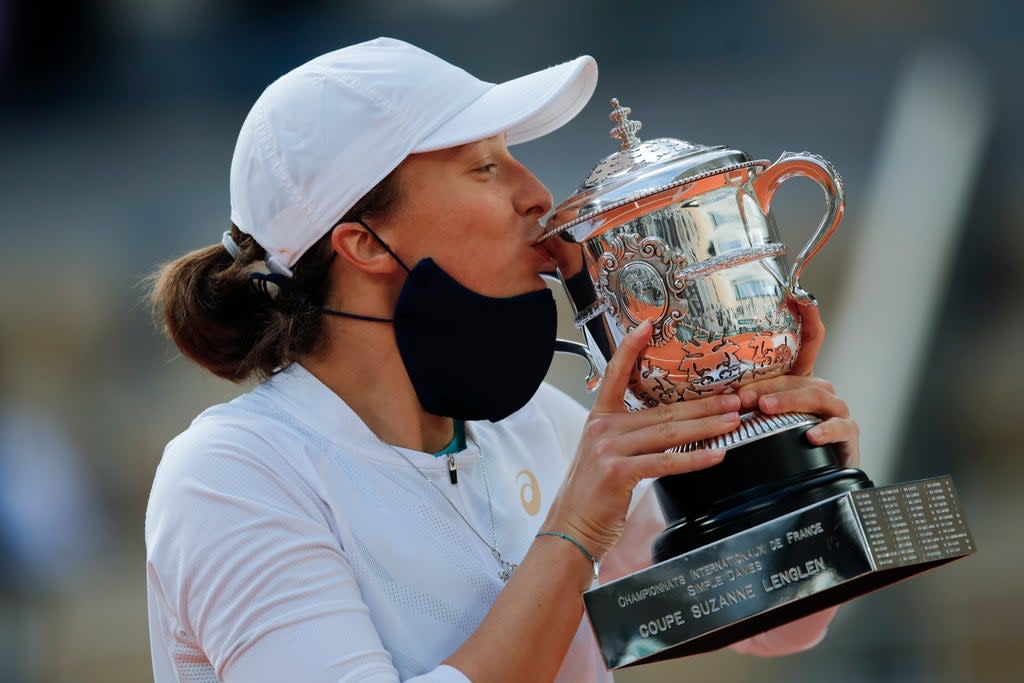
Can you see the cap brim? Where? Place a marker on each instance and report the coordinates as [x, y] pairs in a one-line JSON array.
[[524, 108]]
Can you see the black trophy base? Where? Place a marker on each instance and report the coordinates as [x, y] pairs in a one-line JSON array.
[[755, 482], [788, 567]]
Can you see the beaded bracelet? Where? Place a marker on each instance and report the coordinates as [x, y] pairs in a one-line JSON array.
[[586, 553]]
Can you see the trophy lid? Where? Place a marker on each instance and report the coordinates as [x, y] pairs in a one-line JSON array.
[[640, 168]]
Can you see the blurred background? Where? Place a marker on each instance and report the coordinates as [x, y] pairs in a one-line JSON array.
[[117, 123]]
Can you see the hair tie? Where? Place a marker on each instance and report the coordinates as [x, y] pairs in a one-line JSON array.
[[284, 283], [230, 245]]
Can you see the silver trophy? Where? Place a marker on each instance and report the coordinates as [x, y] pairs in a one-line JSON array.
[[682, 234]]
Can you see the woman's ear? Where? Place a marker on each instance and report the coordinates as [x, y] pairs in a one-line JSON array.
[[354, 243]]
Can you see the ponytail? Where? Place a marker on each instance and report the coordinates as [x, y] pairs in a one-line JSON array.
[[210, 309], [217, 318]]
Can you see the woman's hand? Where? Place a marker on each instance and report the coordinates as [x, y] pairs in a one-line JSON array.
[[802, 393], [620, 448], [789, 393], [568, 256]]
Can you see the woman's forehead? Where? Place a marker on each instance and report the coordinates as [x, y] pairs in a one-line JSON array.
[[469, 149]]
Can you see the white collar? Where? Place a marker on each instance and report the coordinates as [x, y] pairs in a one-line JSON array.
[[297, 392]]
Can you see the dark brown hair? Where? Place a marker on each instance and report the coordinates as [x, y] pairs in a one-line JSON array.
[[215, 315]]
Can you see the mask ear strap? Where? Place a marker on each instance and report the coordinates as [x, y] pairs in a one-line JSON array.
[[384, 244], [368, 318], [356, 316]]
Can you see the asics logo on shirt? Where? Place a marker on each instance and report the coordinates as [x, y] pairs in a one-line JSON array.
[[529, 492]]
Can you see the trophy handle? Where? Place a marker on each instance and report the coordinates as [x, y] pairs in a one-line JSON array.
[[577, 349], [791, 165]]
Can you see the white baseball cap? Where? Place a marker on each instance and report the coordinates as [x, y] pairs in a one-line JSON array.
[[324, 134]]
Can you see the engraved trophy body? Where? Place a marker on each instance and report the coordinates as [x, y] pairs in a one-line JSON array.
[[682, 235]]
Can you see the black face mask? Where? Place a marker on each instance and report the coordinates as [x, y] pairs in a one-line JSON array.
[[469, 356]]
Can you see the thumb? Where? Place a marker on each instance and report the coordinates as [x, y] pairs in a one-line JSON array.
[[616, 375], [568, 256]]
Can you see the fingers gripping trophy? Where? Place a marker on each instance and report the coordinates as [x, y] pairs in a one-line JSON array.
[[682, 235]]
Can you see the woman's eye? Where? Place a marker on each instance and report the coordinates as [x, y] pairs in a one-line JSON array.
[[487, 168]]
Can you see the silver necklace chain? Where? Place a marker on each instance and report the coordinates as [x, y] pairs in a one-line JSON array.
[[505, 568]]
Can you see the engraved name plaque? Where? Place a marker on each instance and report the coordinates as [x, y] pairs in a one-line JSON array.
[[792, 566]]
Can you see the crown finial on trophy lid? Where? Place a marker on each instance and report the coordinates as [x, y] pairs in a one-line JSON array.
[[624, 130]]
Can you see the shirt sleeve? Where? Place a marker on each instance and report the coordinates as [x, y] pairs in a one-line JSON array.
[[247, 568]]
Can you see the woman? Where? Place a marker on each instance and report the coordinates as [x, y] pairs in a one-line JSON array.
[[402, 498]]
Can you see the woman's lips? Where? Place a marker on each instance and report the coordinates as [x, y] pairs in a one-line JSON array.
[[545, 261]]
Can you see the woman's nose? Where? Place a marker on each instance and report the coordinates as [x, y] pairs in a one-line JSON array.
[[533, 198]]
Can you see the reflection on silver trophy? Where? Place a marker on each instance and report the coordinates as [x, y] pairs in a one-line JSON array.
[[682, 235]]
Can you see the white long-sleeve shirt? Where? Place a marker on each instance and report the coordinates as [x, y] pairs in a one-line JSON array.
[[286, 542]]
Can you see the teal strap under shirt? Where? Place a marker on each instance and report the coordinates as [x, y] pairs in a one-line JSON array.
[[458, 442]]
